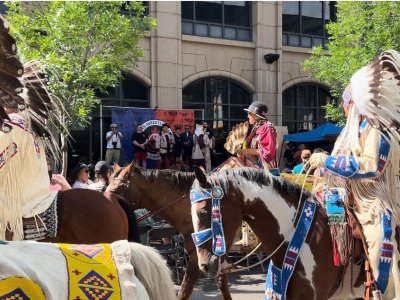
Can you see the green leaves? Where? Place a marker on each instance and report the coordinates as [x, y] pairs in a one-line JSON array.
[[82, 46], [362, 31]]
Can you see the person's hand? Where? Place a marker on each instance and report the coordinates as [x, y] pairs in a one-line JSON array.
[[59, 179], [317, 160], [241, 153]]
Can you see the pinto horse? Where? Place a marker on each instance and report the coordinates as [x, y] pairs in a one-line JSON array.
[[269, 205], [154, 190]]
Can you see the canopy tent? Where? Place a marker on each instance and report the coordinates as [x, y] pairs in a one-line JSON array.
[[318, 134]]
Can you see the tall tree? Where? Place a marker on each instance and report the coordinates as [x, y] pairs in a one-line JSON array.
[[82, 46], [362, 31]]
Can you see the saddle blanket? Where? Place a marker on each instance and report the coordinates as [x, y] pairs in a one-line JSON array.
[[43, 225], [31, 270]]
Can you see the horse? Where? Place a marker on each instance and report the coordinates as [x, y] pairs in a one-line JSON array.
[[43, 271], [269, 205], [154, 190]]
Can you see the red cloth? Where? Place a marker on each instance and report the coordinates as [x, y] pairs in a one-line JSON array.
[[266, 134]]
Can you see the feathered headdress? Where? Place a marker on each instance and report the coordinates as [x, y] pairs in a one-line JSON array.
[[22, 87], [375, 91]]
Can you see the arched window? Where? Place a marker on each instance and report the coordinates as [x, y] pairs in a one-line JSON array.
[[302, 107], [221, 101]]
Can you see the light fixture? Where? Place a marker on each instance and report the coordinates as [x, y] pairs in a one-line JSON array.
[[271, 58]]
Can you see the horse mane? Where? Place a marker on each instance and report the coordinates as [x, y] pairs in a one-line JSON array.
[[175, 177], [148, 264], [260, 177]]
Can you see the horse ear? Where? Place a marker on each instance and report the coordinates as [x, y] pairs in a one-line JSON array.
[[200, 175], [116, 167]]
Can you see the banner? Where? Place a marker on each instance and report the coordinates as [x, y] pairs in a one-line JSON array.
[[176, 117], [152, 119], [127, 119]]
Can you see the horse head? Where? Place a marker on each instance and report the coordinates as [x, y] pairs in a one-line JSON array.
[[214, 232]]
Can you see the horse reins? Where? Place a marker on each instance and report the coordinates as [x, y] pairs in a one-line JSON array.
[[126, 182], [152, 213]]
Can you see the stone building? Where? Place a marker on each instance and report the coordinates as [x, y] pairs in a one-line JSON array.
[[224, 54]]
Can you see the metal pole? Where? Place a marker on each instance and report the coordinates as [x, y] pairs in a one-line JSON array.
[[101, 132]]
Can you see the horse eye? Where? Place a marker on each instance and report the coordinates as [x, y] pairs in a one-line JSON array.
[[203, 212]]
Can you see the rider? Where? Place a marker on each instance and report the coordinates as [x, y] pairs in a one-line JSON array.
[[363, 162], [261, 142], [22, 161]]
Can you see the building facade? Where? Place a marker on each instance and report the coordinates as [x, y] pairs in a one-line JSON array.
[[220, 56]]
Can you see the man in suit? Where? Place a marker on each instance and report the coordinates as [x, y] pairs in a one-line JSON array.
[[187, 146]]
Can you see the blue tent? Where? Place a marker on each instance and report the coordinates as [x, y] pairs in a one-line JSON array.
[[318, 134]]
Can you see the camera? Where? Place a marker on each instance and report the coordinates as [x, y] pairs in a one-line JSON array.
[[114, 144]]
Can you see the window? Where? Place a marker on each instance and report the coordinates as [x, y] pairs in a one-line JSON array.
[[128, 93], [217, 19], [302, 109], [222, 101], [303, 22]]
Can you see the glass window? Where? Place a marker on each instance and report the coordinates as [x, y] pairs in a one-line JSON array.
[[305, 21], [302, 107], [217, 19], [237, 13], [220, 99], [187, 10], [209, 11], [291, 16]]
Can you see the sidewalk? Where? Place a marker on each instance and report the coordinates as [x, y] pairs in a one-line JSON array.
[[242, 285]]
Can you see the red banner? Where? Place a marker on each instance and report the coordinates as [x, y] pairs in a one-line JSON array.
[[176, 117]]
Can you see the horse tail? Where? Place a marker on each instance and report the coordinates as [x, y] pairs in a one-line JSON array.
[[133, 231], [152, 271]]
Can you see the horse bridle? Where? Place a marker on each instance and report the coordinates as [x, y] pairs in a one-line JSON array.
[[200, 237]]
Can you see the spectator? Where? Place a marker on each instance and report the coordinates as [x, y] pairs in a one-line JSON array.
[[187, 146], [153, 149], [177, 148], [113, 138], [103, 171], [197, 155], [288, 156], [211, 136], [297, 154], [166, 144], [139, 141], [80, 176], [305, 156]]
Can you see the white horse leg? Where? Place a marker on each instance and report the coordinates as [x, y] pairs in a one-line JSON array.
[[152, 271]]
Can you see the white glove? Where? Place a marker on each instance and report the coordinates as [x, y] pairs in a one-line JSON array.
[[317, 160]]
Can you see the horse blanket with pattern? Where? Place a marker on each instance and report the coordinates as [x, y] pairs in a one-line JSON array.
[[31, 270]]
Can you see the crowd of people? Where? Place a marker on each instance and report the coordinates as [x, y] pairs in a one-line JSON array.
[[168, 148]]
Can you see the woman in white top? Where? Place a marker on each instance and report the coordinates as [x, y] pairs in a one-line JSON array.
[[198, 144], [81, 176]]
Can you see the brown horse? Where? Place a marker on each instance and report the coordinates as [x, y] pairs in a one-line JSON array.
[[269, 205], [87, 216], [154, 189]]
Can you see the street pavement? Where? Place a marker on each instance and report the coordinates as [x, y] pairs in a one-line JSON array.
[[244, 285]]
